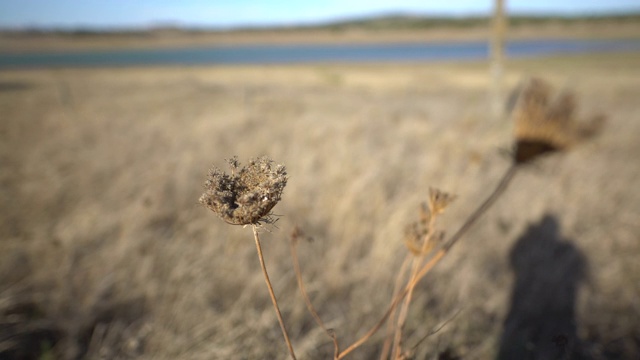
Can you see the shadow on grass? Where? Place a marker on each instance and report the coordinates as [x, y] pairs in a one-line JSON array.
[[541, 323]]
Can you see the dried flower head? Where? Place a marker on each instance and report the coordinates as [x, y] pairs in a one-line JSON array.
[[417, 233], [247, 195], [545, 125], [439, 200]]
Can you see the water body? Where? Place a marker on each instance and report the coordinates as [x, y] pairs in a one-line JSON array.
[[313, 53]]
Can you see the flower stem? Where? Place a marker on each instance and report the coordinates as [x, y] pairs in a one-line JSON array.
[[435, 258], [272, 294], [500, 188]]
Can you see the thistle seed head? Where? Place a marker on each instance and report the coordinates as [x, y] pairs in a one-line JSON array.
[[545, 125], [247, 195]]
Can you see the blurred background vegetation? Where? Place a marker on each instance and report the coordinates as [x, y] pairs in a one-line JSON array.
[[105, 251]]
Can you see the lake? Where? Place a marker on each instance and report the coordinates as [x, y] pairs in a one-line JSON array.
[[314, 53]]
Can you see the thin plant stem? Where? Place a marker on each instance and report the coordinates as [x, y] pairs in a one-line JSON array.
[[386, 347], [434, 260], [271, 293], [375, 328], [425, 269], [436, 330], [402, 315], [404, 311], [305, 295], [500, 188]]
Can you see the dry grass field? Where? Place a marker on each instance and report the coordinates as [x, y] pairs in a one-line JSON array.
[[106, 253]]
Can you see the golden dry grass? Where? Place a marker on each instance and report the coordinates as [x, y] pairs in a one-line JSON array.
[[101, 227]]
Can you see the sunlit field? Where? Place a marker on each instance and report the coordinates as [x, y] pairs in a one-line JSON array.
[[106, 251]]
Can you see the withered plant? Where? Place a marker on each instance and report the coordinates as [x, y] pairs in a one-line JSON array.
[[421, 238], [543, 125], [246, 197]]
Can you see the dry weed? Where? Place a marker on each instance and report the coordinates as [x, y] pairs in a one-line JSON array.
[[544, 124], [246, 197]]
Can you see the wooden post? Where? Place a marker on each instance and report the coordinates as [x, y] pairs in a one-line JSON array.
[[498, 30]]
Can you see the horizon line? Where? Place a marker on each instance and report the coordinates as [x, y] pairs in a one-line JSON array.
[[338, 20]]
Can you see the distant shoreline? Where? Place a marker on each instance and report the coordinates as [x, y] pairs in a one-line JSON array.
[[311, 54], [38, 41]]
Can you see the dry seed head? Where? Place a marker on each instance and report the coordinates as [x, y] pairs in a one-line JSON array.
[[415, 240], [439, 200], [544, 125], [247, 195], [417, 233]]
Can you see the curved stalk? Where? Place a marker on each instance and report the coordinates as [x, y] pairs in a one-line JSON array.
[[272, 294]]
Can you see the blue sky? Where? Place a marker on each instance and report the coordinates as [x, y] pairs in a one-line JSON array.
[[229, 13]]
